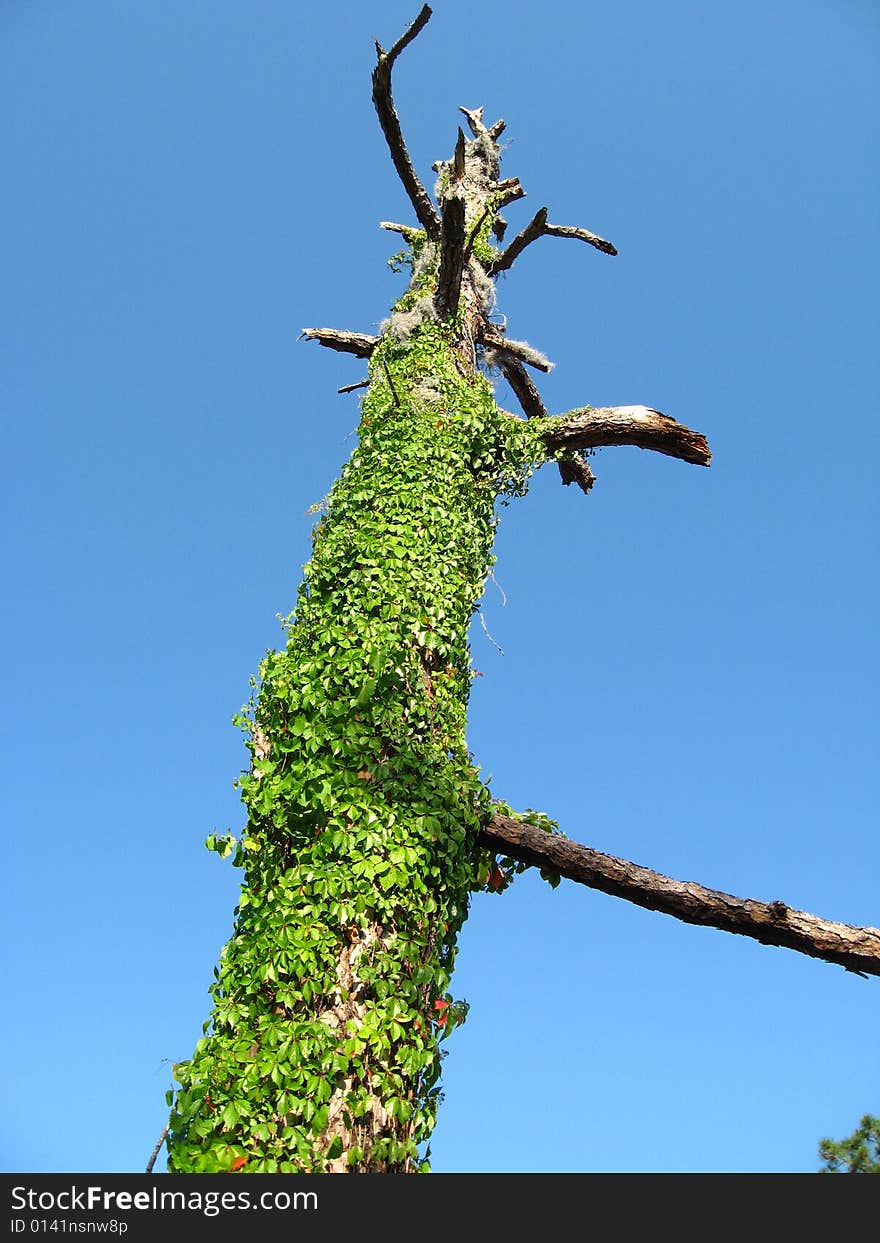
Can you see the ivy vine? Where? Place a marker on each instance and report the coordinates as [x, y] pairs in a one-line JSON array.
[[332, 998]]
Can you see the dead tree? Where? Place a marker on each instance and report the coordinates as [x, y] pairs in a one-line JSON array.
[[368, 826]]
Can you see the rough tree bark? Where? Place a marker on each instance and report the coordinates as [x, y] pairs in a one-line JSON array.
[[368, 826]]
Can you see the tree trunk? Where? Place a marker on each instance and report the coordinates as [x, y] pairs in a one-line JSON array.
[[362, 844]]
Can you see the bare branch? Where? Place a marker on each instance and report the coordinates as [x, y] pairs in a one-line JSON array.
[[571, 469], [523, 386], [390, 123], [475, 121], [575, 470], [583, 235], [770, 923], [404, 230], [472, 236], [350, 388], [159, 1142], [451, 255], [357, 343], [533, 230], [496, 340], [407, 37], [496, 130], [629, 425], [538, 227], [508, 192]]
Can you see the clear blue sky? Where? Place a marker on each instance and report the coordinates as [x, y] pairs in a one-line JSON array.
[[690, 672]]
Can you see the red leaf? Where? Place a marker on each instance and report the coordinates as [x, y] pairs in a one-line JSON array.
[[440, 1004], [238, 1163]]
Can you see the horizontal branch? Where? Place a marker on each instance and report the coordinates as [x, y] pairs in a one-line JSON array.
[[538, 227], [770, 923], [495, 339], [390, 123], [351, 388], [360, 344], [406, 231], [582, 235], [630, 425]]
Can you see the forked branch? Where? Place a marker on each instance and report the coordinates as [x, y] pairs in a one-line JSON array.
[[538, 227], [390, 123], [770, 923], [630, 425]]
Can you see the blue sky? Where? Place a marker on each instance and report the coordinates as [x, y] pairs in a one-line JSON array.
[[689, 669]]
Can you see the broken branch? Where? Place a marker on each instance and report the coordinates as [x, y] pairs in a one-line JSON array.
[[630, 425], [475, 121], [571, 469], [390, 123], [405, 230], [361, 344], [451, 256], [770, 923], [576, 470], [508, 192]]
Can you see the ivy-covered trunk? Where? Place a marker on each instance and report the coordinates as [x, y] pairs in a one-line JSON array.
[[362, 844], [364, 808]]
